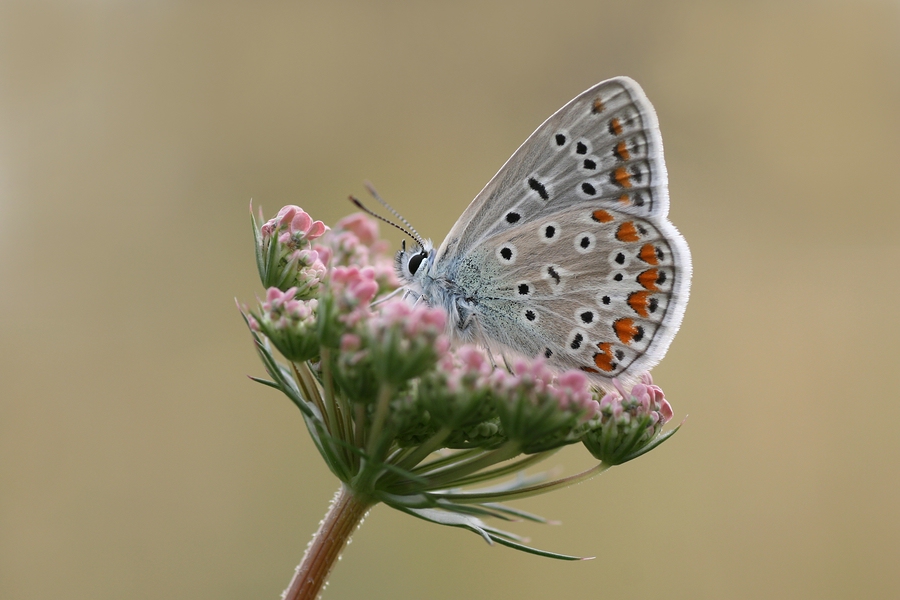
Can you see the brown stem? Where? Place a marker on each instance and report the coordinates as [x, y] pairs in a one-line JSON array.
[[344, 516]]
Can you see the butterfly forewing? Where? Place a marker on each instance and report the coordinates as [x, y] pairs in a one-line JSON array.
[[601, 148]]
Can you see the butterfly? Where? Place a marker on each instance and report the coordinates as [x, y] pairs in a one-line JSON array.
[[567, 253]]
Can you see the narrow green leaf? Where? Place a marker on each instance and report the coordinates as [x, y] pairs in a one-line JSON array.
[[515, 512], [656, 442], [538, 552], [512, 467], [489, 534], [479, 497], [271, 384]]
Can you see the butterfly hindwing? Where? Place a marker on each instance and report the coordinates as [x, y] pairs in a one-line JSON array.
[[602, 295]]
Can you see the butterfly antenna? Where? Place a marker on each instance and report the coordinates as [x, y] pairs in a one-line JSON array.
[[381, 201], [360, 206]]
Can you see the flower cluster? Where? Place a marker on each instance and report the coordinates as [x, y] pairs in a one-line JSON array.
[[284, 254], [629, 421], [290, 324], [539, 414], [385, 351], [398, 415], [354, 242]]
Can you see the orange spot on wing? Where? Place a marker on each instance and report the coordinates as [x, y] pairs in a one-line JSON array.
[[624, 199], [598, 105], [638, 303], [604, 358], [622, 177], [615, 127], [627, 331], [648, 280], [627, 232], [648, 255], [622, 151], [601, 216]]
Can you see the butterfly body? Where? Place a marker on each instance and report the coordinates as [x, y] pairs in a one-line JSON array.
[[568, 253]]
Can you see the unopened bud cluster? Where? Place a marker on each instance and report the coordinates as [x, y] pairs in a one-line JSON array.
[[284, 254], [629, 421], [289, 323]]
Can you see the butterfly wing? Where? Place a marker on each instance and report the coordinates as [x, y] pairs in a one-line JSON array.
[[567, 252], [602, 147]]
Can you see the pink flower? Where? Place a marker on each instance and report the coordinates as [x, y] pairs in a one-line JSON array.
[[284, 254], [362, 226], [467, 368], [532, 375], [415, 320], [357, 285], [350, 342], [290, 324], [324, 253], [275, 297], [473, 359], [354, 242], [295, 226], [644, 399], [573, 390], [629, 422]]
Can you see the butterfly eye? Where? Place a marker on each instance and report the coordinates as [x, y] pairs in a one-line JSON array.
[[415, 262]]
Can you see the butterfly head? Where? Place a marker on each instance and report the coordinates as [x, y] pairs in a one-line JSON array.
[[412, 264]]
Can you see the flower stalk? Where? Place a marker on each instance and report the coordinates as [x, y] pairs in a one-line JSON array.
[[345, 515]]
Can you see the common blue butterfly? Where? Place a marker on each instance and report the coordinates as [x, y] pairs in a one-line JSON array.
[[567, 252]]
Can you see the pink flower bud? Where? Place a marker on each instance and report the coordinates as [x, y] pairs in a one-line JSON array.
[[574, 380], [317, 229], [350, 342], [609, 400], [286, 214], [273, 294], [362, 226], [301, 222], [325, 254], [665, 409], [358, 284], [473, 359]]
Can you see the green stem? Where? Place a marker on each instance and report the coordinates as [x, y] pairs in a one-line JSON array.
[[310, 388], [344, 516], [385, 392], [454, 457], [329, 388], [423, 450], [508, 469], [359, 432], [406, 460], [337, 408], [447, 475]]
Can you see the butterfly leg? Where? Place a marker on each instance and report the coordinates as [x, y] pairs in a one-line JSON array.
[[472, 321], [391, 295]]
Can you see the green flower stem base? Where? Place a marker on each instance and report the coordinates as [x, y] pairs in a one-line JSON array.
[[344, 516]]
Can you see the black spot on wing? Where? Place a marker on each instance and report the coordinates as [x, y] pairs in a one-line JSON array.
[[539, 188]]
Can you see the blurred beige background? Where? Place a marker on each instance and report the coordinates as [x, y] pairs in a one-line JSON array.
[[138, 461]]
